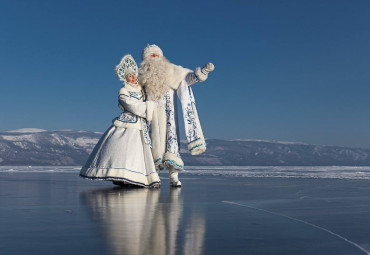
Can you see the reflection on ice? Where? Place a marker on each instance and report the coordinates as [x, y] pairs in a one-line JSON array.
[[141, 221], [195, 236]]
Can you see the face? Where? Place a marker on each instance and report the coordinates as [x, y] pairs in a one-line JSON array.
[[154, 55], [131, 78]]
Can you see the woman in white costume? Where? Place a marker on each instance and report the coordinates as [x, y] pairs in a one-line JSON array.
[[123, 154]]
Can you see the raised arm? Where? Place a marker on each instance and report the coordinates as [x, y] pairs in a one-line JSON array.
[[200, 74]]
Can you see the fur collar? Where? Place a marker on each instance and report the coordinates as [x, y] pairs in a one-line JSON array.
[[175, 75], [132, 86]]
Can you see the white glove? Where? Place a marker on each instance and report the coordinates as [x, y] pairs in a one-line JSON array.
[[208, 68], [202, 73]]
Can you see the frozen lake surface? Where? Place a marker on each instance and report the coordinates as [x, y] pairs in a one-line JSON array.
[[309, 210], [337, 172]]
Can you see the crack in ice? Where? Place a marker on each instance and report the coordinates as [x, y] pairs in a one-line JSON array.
[[304, 222]]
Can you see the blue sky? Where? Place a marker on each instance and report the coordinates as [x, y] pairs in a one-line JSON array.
[[285, 70]]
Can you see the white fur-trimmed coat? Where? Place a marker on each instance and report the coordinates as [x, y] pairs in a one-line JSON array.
[[165, 152]]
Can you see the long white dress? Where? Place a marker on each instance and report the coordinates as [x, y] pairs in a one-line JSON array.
[[123, 153]]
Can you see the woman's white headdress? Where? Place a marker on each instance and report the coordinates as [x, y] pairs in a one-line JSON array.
[[126, 66]]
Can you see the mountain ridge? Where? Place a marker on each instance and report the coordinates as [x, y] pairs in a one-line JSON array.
[[68, 147]]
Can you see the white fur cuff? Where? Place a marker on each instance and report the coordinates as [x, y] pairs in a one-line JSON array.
[[197, 147], [200, 75], [150, 107], [171, 160]]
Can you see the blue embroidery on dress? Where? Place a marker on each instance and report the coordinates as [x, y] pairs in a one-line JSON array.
[[128, 117], [137, 95], [192, 133], [172, 143], [146, 132], [124, 95]]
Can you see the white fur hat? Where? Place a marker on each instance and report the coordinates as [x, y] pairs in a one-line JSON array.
[[150, 49]]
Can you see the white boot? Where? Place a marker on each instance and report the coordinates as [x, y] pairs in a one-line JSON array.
[[174, 178]]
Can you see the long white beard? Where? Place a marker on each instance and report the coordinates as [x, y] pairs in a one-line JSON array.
[[153, 74]]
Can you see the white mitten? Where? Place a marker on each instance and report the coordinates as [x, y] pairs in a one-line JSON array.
[[202, 73], [208, 68]]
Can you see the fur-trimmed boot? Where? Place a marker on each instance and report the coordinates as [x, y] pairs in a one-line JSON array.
[[174, 178]]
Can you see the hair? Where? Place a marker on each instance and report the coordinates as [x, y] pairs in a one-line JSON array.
[[129, 73], [152, 75]]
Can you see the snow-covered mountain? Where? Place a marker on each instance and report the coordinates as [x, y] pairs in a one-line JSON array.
[[42, 147], [68, 147], [276, 153]]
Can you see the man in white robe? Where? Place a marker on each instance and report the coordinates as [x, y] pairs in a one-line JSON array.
[[161, 80]]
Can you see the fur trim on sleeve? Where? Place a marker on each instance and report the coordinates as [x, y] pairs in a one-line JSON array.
[[200, 75], [171, 160], [150, 106]]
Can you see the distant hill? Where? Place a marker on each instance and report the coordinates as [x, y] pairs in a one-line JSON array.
[[273, 153], [68, 147], [41, 147]]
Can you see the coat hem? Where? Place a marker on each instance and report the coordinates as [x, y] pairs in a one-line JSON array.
[[120, 174], [155, 184]]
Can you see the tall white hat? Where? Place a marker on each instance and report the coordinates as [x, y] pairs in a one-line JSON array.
[[149, 50], [125, 67]]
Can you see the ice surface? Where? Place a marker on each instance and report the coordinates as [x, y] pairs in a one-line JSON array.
[[336, 172], [60, 213], [331, 172]]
